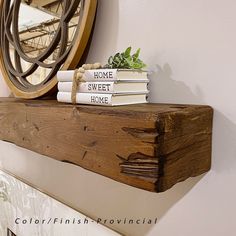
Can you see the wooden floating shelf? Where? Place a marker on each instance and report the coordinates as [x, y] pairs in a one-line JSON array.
[[149, 146]]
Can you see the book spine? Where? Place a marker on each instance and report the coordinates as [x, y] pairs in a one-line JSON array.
[[88, 87], [100, 74], [86, 98]]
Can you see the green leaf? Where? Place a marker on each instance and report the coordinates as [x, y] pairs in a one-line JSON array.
[[110, 60], [128, 51], [137, 65], [125, 60], [116, 56], [136, 55], [129, 61]]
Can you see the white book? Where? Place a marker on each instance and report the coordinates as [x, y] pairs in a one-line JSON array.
[[105, 75], [102, 99], [105, 87]]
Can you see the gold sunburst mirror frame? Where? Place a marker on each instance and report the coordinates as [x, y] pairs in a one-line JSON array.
[[31, 55]]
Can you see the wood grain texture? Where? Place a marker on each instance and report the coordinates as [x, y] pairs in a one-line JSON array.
[[149, 146]]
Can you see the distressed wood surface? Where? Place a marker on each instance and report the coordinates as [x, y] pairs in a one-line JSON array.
[[149, 146]]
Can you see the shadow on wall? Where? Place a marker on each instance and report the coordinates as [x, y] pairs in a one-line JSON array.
[[105, 31], [224, 144], [164, 89]]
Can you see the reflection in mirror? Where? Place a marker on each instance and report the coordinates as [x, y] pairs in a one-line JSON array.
[[45, 32]]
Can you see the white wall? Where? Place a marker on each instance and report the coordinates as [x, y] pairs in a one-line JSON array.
[[190, 47]]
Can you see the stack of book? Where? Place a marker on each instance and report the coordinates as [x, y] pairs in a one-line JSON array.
[[107, 87]]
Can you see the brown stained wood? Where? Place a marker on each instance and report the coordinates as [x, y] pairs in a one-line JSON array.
[[148, 146]]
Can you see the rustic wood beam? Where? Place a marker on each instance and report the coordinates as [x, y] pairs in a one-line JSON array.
[[149, 146]]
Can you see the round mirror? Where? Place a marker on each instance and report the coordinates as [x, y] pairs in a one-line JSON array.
[[40, 37]]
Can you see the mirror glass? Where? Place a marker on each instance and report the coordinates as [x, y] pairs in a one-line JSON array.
[[43, 33]]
